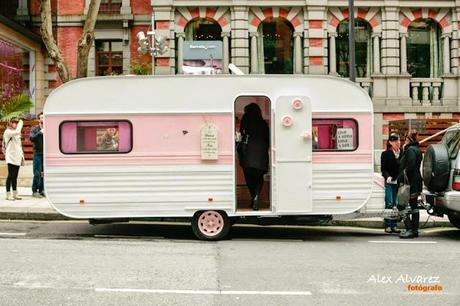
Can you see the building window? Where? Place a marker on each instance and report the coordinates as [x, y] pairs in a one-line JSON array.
[[109, 57], [203, 29], [110, 7], [363, 49], [90, 137], [275, 46], [424, 56], [335, 135]]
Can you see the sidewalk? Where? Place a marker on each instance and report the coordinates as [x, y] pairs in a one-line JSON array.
[[30, 208]]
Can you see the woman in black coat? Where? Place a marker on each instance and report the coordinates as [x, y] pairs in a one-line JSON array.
[[253, 154], [390, 159], [410, 168]]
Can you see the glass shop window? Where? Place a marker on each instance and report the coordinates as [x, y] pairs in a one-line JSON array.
[[335, 135], [90, 137]]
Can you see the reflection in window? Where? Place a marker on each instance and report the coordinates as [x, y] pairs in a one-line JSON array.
[[335, 134], [109, 58], [363, 49], [424, 49], [203, 29], [95, 137], [275, 46]]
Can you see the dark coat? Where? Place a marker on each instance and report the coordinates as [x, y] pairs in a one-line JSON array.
[[257, 136], [389, 164], [36, 137], [410, 163]]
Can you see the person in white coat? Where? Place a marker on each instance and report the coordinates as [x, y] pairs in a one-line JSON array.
[[14, 156]]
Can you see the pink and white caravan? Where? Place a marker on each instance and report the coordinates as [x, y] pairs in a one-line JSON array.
[[126, 148]]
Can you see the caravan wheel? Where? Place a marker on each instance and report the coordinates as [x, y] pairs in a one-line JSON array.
[[210, 225]]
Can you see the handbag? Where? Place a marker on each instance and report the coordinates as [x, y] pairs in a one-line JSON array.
[[403, 193], [242, 147]]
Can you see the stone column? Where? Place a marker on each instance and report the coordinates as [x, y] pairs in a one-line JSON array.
[[226, 55], [254, 57], [332, 54], [180, 52], [22, 8], [239, 36], [446, 53], [404, 52], [298, 53], [376, 47], [125, 7]]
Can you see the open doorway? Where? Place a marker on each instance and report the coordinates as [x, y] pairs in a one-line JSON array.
[[252, 159]]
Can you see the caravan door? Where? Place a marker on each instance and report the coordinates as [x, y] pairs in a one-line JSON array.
[[292, 155]]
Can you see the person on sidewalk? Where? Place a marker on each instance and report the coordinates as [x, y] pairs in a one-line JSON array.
[[410, 168], [36, 137], [390, 169], [14, 156]]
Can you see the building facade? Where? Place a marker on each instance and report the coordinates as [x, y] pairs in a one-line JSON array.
[[407, 52]]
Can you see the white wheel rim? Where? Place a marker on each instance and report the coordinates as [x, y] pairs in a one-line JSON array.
[[211, 223]]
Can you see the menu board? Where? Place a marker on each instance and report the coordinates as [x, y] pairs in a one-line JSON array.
[[345, 139], [209, 142]]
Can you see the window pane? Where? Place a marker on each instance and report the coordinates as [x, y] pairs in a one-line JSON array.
[[102, 45], [103, 58], [117, 46], [117, 59], [278, 45], [335, 134], [423, 49], [95, 137]]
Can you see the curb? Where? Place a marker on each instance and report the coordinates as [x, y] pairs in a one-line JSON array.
[[50, 215]]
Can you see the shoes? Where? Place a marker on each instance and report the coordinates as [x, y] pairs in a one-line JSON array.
[[255, 203], [36, 195], [9, 196], [43, 194], [388, 230], [15, 195], [408, 234], [395, 230]]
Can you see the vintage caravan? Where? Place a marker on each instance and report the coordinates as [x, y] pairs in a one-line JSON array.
[[164, 146]]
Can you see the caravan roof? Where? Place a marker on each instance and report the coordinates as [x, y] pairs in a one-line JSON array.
[[200, 94]]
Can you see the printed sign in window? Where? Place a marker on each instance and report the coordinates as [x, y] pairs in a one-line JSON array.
[[345, 139], [335, 135]]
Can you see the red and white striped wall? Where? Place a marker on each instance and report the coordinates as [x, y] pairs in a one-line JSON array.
[[441, 16], [184, 15], [293, 15], [337, 15]]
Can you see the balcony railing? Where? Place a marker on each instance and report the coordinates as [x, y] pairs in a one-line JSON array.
[[110, 8], [426, 91], [366, 84]]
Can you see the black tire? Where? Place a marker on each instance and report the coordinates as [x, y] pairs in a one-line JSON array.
[[202, 230], [454, 218], [436, 168]]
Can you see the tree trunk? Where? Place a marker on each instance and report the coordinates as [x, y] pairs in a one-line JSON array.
[[54, 53], [87, 39]]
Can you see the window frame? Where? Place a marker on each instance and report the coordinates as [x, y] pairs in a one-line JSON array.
[[335, 150], [96, 152], [109, 54]]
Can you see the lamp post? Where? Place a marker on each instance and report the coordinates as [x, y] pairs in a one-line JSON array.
[[351, 41]]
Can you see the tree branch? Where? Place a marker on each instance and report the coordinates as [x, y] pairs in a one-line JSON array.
[[87, 39], [46, 30]]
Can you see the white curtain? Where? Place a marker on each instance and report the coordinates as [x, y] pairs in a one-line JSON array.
[[260, 50], [435, 55]]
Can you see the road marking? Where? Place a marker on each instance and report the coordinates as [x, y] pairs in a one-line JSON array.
[[13, 234], [403, 242], [203, 292]]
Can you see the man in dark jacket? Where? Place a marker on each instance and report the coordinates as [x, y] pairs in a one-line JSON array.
[[410, 168], [36, 137]]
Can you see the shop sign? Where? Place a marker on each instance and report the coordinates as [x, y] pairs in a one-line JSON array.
[[209, 142]]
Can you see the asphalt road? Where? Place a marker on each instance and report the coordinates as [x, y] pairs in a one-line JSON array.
[[73, 263]]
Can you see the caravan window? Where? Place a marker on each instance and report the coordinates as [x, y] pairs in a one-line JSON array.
[[89, 137], [335, 134]]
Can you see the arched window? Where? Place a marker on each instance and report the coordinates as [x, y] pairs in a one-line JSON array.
[[275, 46], [424, 56], [203, 29], [363, 49]]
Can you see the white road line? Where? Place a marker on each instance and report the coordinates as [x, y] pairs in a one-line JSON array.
[[13, 234], [204, 292], [403, 242]]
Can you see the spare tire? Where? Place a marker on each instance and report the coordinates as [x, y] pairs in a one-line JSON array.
[[436, 167]]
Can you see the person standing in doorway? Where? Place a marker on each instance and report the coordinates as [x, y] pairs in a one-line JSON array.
[[254, 158], [36, 137], [410, 168], [390, 169], [14, 157]]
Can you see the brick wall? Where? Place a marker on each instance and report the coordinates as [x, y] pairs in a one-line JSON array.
[[68, 8], [67, 38], [141, 7]]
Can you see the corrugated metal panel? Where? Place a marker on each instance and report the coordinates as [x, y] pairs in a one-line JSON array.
[[351, 182], [144, 191]]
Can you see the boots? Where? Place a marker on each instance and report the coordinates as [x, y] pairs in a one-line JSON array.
[[415, 223], [408, 233], [15, 195], [9, 196], [255, 203]]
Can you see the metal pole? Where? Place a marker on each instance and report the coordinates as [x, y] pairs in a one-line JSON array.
[[351, 41], [152, 37]]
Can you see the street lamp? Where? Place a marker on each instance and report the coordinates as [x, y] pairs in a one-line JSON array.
[[156, 46], [351, 40]]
